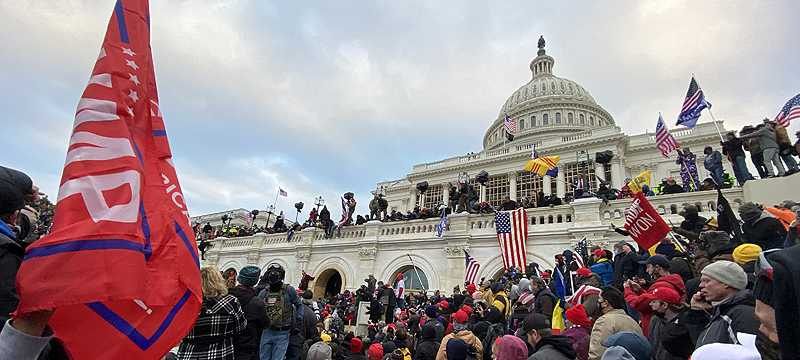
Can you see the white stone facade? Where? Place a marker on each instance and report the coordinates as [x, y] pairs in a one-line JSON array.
[[575, 125]]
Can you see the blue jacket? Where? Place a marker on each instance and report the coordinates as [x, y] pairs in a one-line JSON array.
[[605, 271]]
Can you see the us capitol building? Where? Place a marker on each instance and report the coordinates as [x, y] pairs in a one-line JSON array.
[[556, 115]]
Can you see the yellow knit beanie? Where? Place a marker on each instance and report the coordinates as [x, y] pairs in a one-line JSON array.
[[746, 253]]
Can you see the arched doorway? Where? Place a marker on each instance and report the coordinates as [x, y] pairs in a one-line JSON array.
[[415, 278], [328, 283]]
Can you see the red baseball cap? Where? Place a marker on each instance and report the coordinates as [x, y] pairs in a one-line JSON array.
[[460, 317], [665, 294], [599, 253], [584, 272]]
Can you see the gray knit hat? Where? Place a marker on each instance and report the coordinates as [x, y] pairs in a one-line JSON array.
[[319, 351], [249, 275], [728, 273]]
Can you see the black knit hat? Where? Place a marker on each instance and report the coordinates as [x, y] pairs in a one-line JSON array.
[[11, 199]]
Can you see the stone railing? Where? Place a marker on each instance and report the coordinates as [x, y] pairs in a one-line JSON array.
[[667, 205], [568, 217]]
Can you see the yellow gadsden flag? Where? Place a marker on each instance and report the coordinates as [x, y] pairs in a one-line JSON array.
[[642, 179], [542, 164]]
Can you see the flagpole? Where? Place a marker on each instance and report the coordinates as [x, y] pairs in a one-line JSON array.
[[716, 125], [417, 273]]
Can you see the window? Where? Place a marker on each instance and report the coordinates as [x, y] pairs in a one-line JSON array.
[[414, 278], [545, 121], [558, 118], [591, 120], [521, 124], [433, 196], [570, 120], [533, 121], [528, 186], [497, 189], [571, 172], [582, 119]]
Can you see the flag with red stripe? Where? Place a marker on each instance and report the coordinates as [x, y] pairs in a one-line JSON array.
[[789, 111], [471, 272], [512, 235], [120, 268]]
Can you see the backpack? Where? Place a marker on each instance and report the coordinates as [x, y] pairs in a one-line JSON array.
[[279, 308], [495, 331]]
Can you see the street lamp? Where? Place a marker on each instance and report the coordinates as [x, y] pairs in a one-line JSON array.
[[319, 201]]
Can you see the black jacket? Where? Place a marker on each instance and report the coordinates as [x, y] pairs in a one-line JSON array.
[[308, 328], [786, 299], [11, 253], [246, 343], [426, 350], [554, 347], [663, 337], [626, 266], [767, 232], [733, 148], [388, 292], [740, 309]]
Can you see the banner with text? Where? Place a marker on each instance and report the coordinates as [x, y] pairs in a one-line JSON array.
[[644, 223]]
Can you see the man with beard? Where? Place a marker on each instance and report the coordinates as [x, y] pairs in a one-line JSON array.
[[668, 311]]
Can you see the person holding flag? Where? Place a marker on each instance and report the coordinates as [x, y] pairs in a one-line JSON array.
[[120, 217]]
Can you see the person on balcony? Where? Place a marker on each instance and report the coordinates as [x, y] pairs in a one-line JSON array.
[[713, 163], [732, 148], [688, 162], [670, 186]]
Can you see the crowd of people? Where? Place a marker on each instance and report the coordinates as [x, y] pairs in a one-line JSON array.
[[702, 295]]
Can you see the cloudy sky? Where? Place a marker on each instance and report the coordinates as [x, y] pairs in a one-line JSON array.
[[334, 96]]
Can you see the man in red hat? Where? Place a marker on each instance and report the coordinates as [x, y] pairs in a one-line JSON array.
[[668, 337], [636, 297]]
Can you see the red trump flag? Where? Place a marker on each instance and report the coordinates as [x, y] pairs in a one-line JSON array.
[[644, 223], [120, 267]]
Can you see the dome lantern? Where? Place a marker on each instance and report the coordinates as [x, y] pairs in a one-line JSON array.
[[542, 64]]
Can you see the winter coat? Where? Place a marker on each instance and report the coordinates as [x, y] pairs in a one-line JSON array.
[[785, 301], [659, 327], [468, 338], [782, 137], [739, 309], [609, 324], [766, 232], [246, 343], [641, 302], [626, 266], [212, 335], [387, 294], [553, 348], [733, 148], [579, 337], [544, 303], [713, 161], [605, 270], [308, 326], [11, 253], [765, 137], [426, 350]]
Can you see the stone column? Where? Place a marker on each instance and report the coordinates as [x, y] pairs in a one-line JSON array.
[[561, 188], [546, 182], [482, 192], [617, 176], [599, 171], [412, 198], [512, 185], [446, 194]]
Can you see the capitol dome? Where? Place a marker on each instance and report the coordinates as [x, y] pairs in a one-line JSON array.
[[547, 106]]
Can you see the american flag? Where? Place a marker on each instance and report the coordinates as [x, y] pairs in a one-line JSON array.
[[471, 272], [694, 103], [282, 192], [512, 234], [510, 126], [441, 227], [790, 111], [664, 140], [582, 252]]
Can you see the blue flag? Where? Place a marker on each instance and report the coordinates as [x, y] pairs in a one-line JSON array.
[[441, 227], [694, 103]]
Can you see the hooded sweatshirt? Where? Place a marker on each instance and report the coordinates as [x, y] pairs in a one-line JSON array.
[[428, 346], [554, 347], [468, 338], [641, 302], [761, 229]]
